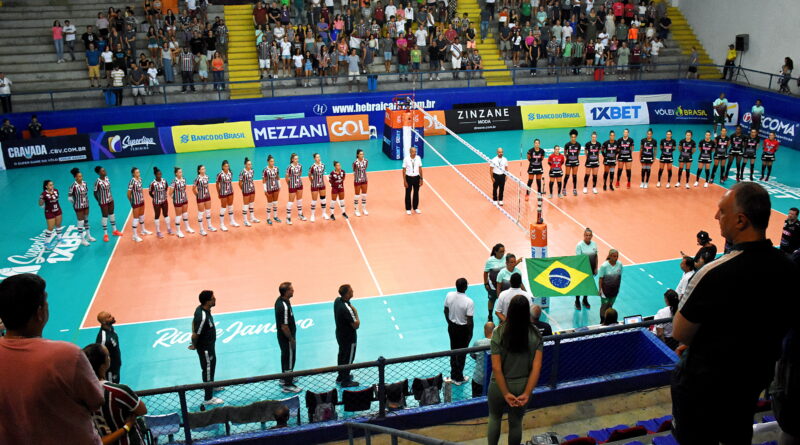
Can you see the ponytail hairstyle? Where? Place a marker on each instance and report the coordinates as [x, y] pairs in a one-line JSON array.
[[44, 184], [133, 169], [314, 156], [672, 300], [156, 171], [496, 248], [292, 156], [359, 151], [269, 158], [175, 170], [517, 325], [224, 163], [246, 159], [199, 166], [75, 171], [335, 163], [611, 252], [97, 169]]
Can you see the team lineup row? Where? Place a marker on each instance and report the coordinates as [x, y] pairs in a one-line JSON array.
[[161, 192]]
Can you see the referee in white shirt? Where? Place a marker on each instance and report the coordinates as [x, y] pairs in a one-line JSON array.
[[501, 306], [497, 169], [412, 180], [458, 311]]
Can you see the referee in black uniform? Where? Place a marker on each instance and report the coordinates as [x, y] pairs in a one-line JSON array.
[[347, 323], [284, 320], [204, 336], [108, 338]]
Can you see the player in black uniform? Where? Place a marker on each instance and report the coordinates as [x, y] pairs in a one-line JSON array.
[[625, 156], [647, 154], [685, 152], [722, 142], [204, 337], [610, 152], [750, 151], [535, 169], [667, 157], [593, 149], [572, 151], [737, 150], [706, 148]]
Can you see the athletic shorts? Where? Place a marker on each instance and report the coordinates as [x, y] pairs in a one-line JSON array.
[[736, 152], [104, 207], [719, 119], [94, 71], [533, 170], [692, 69], [592, 164], [666, 160], [362, 183], [556, 173], [295, 189], [206, 199], [225, 196], [768, 157], [249, 194], [575, 163], [337, 191], [137, 90], [646, 160], [704, 160], [81, 209], [51, 215], [164, 206], [136, 206], [318, 189], [685, 159], [749, 155], [492, 295], [721, 156], [179, 203], [610, 163], [263, 64], [625, 158]]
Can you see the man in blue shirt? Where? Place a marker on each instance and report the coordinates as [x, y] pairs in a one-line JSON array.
[[93, 64]]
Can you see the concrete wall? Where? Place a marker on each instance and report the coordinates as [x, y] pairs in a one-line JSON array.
[[769, 23]]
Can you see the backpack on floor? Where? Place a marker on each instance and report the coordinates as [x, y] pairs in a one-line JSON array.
[[430, 394]]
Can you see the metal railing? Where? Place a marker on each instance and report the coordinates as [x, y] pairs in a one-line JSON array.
[[369, 430], [388, 385]]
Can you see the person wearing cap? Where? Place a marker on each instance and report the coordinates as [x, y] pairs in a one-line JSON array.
[[730, 63], [707, 251]]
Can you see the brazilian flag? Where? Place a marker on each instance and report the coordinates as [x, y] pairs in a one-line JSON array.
[[560, 276]]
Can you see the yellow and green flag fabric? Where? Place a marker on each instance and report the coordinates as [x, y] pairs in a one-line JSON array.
[[560, 276]]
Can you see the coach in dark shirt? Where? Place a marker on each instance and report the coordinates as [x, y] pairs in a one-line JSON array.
[[716, 384], [707, 251], [108, 338], [347, 323], [284, 320], [544, 328], [204, 337], [790, 237]]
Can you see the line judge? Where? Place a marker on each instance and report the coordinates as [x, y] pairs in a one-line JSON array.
[[412, 180]]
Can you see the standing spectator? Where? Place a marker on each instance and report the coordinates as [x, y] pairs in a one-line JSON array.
[[587, 247], [218, 71], [93, 65], [730, 63], [478, 374], [222, 37], [137, 81], [416, 60], [664, 26], [505, 40], [353, 69], [694, 62], [107, 57], [711, 404], [186, 61], [201, 62], [456, 51], [260, 15], [486, 16], [544, 328], [152, 78], [108, 337], [516, 347], [89, 36], [688, 268], [117, 82], [287, 330], [610, 280], [167, 57], [7, 131], [116, 419], [786, 75], [58, 41], [403, 59], [458, 312], [69, 38], [5, 92], [553, 50], [790, 236], [756, 114], [204, 338], [664, 330], [412, 180], [102, 24], [655, 49], [49, 391], [347, 323]]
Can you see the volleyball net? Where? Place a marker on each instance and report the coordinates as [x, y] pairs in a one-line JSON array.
[[519, 203]]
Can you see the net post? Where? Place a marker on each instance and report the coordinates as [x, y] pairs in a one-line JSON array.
[[538, 235]]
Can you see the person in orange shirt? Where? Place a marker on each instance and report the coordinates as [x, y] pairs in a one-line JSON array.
[[633, 34]]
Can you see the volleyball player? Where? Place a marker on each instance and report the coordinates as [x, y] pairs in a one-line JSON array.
[[771, 145], [535, 167], [625, 156], [556, 161], [667, 157], [136, 198], [647, 150], [685, 152], [316, 175], [102, 193], [610, 152], [721, 143], [737, 150], [203, 198], [48, 201], [360, 182], [180, 201], [158, 192], [248, 189], [225, 192], [336, 178], [272, 186], [79, 197], [294, 181], [572, 152], [593, 149], [706, 147], [750, 149]]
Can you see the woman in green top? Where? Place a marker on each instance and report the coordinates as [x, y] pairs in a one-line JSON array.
[[493, 265], [516, 362], [610, 274]]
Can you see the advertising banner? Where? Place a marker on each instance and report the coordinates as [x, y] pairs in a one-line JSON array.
[[785, 130], [732, 115], [45, 151], [616, 113], [353, 127], [127, 143], [552, 116], [669, 112], [434, 123], [193, 138], [290, 131], [473, 120]]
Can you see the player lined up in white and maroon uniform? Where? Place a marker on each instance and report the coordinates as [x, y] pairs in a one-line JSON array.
[[294, 180], [102, 193], [360, 182], [79, 197], [180, 201], [136, 198], [203, 198], [248, 188], [336, 178], [158, 193], [316, 175], [225, 193], [48, 201], [271, 178]]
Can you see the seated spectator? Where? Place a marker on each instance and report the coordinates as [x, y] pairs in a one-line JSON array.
[[664, 331], [707, 252], [116, 420], [479, 372], [48, 391], [544, 328], [611, 318], [35, 127], [7, 131], [281, 415]]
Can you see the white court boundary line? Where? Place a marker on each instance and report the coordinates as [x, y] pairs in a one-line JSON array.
[[366, 261], [458, 217]]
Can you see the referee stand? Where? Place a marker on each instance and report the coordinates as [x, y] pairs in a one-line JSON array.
[[538, 234]]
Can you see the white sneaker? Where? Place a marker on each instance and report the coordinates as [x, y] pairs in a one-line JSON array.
[[179, 234], [146, 232], [189, 229], [687, 185], [677, 184], [668, 185], [695, 183], [501, 203], [211, 228], [234, 224], [203, 232], [159, 235], [550, 196], [658, 184], [214, 401], [594, 190], [137, 239], [705, 185], [302, 217], [585, 190], [255, 220], [325, 216], [408, 212], [289, 221], [417, 210], [313, 218], [90, 238], [641, 185], [223, 227], [247, 223], [494, 202], [84, 242], [366, 213], [358, 213], [646, 185]]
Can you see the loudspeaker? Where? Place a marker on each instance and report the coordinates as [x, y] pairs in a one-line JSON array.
[[742, 42]]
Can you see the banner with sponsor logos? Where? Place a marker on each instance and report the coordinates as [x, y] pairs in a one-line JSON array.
[[669, 112], [193, 138], [435, 121], [473, 120], [45, 151], [616, 113], [788, 132], [732, 115], [127, 143], [354, 127], [553, 116], [290, 131]]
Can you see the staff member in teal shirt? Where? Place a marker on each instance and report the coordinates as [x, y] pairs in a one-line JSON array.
[[756, 114], [589, 248], [493, 265], [610, 274]]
